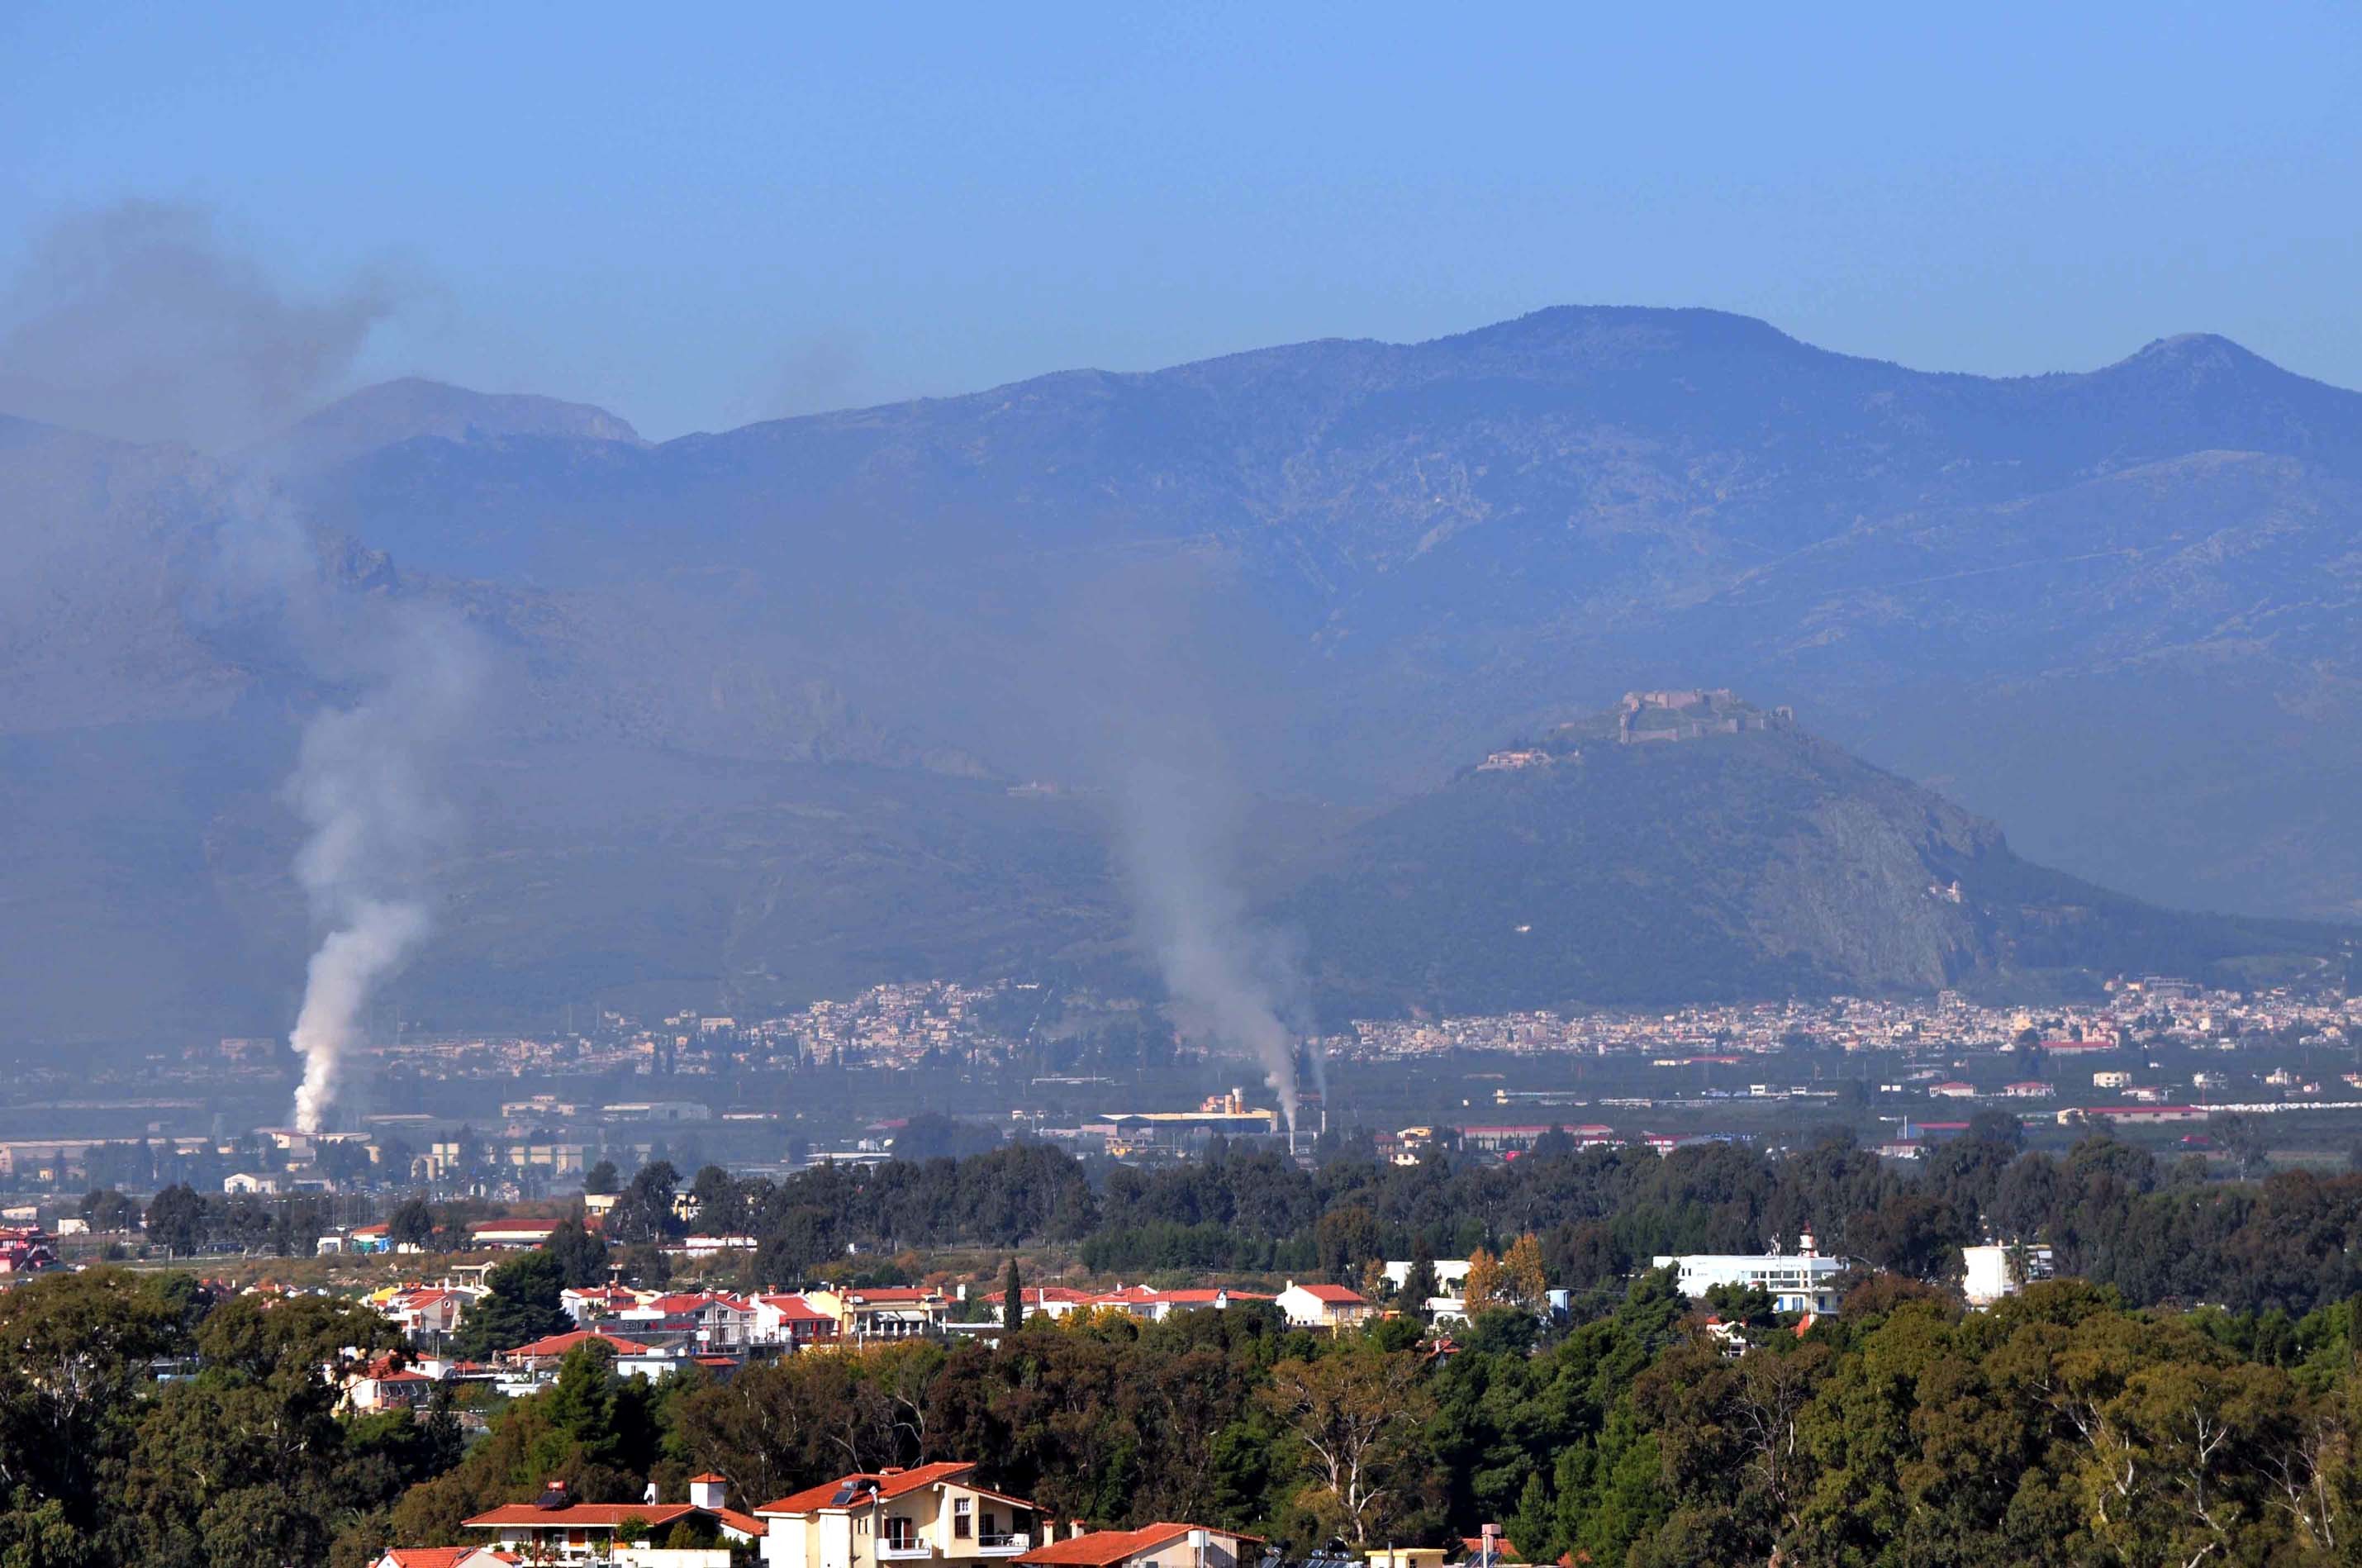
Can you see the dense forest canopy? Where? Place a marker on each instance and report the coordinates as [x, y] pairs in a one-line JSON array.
[[2060, 1427]]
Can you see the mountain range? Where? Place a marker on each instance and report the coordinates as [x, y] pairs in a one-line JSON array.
[[753, 681]]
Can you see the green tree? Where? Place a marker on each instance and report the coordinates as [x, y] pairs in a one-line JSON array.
[[602, 1178], [411, 1223], [581, 1256], [1012, 1300], [522, 1305], [176, 1217], [644, 1213], [1420, 1285], [1353, 1414]]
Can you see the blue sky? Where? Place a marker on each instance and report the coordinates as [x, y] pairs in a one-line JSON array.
[[700, 215]]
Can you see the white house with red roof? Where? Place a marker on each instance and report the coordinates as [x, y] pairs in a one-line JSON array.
[[553, 1528], [594, 1301], [426, 1308], [1330, 1306], [790, 1320], [552, 1348], [447, 1557], [715, 1318], [385, 1386], [509, 1235], [1158, 1304], [937, 1514], [1150, 1546], [1052, 1301]]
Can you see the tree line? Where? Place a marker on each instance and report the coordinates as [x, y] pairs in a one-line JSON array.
[[2112, 1212], [2062, 1427]]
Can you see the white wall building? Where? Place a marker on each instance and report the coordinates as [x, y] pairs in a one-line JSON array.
[[1991, 1275], [1802, 1281]]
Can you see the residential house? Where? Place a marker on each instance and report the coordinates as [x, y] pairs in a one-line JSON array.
[[2030, 1088], [446, 1557], [422, 1310], [1158, 1304], [383, 1387], [892, 1313], [553, 1528], [1802, 1281], [1330, 1306], [1150, 1546], [1053, 1301], [509, 1235], [937, 1514], [538, 1355], [597, 1301], [790, 1320], [710, 1318]]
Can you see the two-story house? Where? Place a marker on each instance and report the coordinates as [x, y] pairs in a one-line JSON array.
[[934, 1514], [886, 1313], [790, 1320], [710, 1318]]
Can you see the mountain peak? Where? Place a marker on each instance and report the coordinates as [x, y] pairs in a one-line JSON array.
[[393, 412]]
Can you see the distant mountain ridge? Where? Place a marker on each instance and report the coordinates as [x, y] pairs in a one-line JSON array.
[[2119, 610]]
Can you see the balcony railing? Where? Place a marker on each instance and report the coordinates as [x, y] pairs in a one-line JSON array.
[[909, 1550], [1010, 1543]]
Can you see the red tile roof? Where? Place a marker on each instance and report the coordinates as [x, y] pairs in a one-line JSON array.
[[1502, 1549], [607, 1515], [1334, 1295], [558, 1345], [426, 1556], [795, 1308], [1105, 1548], [889, 1483]]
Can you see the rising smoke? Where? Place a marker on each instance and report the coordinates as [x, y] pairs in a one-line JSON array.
[[1178, 693], [1231, 978], [369, 784], [137, 321]]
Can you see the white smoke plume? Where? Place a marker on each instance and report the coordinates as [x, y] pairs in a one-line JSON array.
[[368, 784], [1231, 977], [1177, 683]]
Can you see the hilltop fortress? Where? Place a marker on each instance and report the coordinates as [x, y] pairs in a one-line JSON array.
[[1646, 716]]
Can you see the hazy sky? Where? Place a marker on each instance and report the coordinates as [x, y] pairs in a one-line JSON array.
[[699, 215]]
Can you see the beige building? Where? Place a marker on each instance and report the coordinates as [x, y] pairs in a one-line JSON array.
[[1151, 1546], [894, 1312], [932, 1514]]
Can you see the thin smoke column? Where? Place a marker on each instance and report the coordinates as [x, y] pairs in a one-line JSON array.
[[367, 782], [1230, 976]]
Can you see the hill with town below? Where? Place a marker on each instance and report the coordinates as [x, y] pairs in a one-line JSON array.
[[1691, 845]]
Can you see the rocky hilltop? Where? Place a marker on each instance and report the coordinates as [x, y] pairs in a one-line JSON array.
[[1691, 844]]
